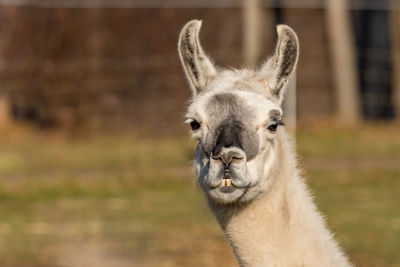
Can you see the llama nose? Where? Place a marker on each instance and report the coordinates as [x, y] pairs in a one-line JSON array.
[[228, 154]]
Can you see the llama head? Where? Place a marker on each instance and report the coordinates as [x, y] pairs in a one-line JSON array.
[[235, 116]]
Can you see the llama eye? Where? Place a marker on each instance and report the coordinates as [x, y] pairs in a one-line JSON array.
[[195, 125], [273, 127]]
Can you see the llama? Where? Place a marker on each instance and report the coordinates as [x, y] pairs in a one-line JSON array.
[[244, 160]]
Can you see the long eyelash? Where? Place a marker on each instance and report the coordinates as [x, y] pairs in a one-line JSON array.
[[280, 123]]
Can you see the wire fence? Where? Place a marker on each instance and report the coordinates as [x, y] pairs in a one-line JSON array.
[[81, 63]]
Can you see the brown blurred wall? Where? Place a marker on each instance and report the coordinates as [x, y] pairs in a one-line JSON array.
[[118, 68]]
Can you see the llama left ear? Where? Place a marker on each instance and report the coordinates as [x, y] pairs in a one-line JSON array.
[[198, 67], [281, 65]]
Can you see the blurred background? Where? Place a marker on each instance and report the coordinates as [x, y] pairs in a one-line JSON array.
[[95, 162]]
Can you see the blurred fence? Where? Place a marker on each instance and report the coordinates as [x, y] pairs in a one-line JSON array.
[[77, 64]]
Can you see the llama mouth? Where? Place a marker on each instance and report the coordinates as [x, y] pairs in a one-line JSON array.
[[226, 182], [226, 186], [226, 189], [226, 194]]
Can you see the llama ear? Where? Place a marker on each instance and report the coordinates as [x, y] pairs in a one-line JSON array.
[[198, 67], [278, 68]]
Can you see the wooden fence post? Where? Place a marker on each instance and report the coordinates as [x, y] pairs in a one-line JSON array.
[[251, 31], [344, 62], [395, 53], [290, 104]]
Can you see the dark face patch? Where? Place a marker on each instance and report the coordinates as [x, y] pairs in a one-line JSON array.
[[226, 102], [228, 134], [230, 126]]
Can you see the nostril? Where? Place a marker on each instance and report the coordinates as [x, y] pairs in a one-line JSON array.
[[235, 157], [216, 157]]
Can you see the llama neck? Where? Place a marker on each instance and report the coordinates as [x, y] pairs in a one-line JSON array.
[[282, 227]]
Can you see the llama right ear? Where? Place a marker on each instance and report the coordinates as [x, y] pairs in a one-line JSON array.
[[198, 67], [281, 65]]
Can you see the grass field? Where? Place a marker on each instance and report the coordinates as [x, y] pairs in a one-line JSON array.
[[125, 200]]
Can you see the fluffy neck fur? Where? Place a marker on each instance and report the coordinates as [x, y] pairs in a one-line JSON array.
[[281, 227]]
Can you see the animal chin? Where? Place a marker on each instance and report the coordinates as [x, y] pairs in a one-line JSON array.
[[226, 194]]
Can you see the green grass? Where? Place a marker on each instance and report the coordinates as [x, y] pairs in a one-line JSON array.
[[125, 200]]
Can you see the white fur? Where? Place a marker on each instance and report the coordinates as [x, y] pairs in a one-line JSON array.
[[272, 221], [283, 226]]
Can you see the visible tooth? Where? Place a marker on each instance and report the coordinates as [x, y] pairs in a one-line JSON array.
[[226, 182]]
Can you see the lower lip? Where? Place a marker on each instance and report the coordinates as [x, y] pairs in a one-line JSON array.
[[226, 189]]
